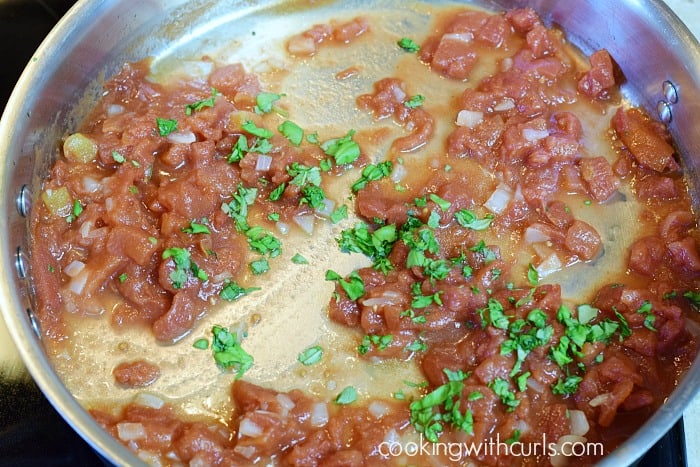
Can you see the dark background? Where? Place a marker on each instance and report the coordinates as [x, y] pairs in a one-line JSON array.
[[31, 432]]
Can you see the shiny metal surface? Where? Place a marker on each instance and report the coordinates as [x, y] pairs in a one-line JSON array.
[[649, 43]]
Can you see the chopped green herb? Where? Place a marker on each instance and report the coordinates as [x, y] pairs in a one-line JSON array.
[[276, 194], [228, 352], [304, 175], [354, 287], [201, 344], [123, 277], [417, 346], [196, 228], [118, 158], [339, 214], [567, 386], [299, 259], [444, 205], [199, 105], [311, 355], [414, 101], [255, 130], [343, 150], [312, 195], [233, 291], [502, 389], [274, 216], [292, 132], [469, 219], [409, 45], [533, 276], [166, 126], [376, 245], [76, 211], [441, 405], [475, 396], [586, 313], [514, 437], [373, 340], [372, 173], [265, 102], [347, 396], [259, 266], [693, 296]]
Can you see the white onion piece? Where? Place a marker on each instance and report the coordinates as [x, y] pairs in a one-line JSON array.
[[246, 451], [535, 385], [378, 409], [579, 422], [506, 104], [282, 227], [506, 64], [74, 268], [198, 461], [85, 229], [182, 137], [172, 455], [221, 277], [286, 403], [461, 37], [550, 265], [518, 195], [319, 414], [306, 222], [398, 173], [115, 109], [600, 399], [249, 428], [91, 185], [499, 199], [532, 134], [197, 68], [399, 93], [469, 118], [392, 437], [109, 204], [149, 400], [263, 163], [77, 284], [98, 233], [151, 458], [326, 208], [388, 297], [128, 431], [535, 235]]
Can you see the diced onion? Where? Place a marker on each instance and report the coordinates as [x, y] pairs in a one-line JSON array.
[[532, 134], [199, 461], [249, 428], [550, 265], [378, 409], [197, 68], [77, 284], [600, 399], [85, 229], [74, 268], [535, 385], [152, 459], [398, 173], [115, 109], [246, 451], [499, 199], [392, 437], [128, 431], [91, 185], [319, 414], [282, 227], [388, 297], [263, 163], [149, 400], [461, 37], [306, 222], [399, 93], [579, 422], [286, 403], [326, 208], [182, 137], [535, 235], [469, 118], [506, 104]]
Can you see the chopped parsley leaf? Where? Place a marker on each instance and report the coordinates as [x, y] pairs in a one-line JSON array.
[[414, 101], [409, 45], [123, 277], [354, 287], [166, 126], [469, 219], [118, 158], [260, 266], [533, 277], [254, 130], [228, 353], [233, 291], [346, 396], [343, 150], [372, 173], [311, 356], [299, 259], [292, 132], [196, 228], [199, 105], [264, 102], [339, 214], [201, 344], [276, 194], [370, 340]]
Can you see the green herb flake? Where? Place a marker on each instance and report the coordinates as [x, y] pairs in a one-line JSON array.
[[292, 132], [232, 291], [274, 216], [260, 266], [201, 344], [264, 102], [343, 150], [444, 205], [533, 277], [347, 396], [354, 287], [228, 353], [339, 214], [200, 105], [299, 259], [414, 101], [470, 220], [196, 228], [255, 130], [311, 356], [408, 44], [166, 126], [372, 173], [118, 158]]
